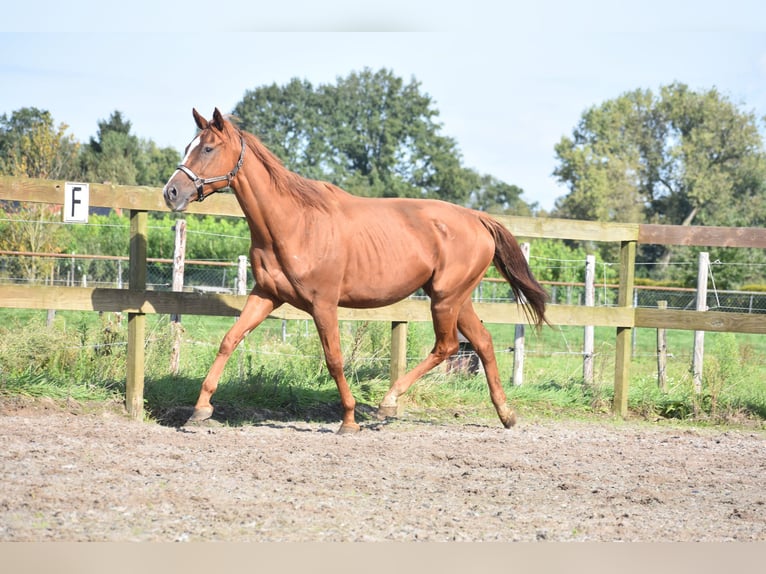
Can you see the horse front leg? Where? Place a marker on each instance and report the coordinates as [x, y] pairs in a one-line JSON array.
[[256, 309], [326, 321]]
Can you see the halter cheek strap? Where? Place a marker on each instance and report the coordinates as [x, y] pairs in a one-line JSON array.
[[200, 183]]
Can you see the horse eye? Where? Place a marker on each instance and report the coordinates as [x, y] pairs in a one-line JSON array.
[[208, 149]]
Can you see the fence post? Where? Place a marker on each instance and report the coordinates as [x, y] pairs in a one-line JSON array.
[[242, 275], [624, 334], [518, 340], [588, 343], [179, 261], [134, 388], [398, 349], [662, 353], [699, 336]]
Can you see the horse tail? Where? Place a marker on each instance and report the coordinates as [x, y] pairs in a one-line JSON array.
[[510, 261]]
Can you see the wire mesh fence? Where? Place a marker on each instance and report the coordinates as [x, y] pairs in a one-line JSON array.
[[101, 271], [222, 277]]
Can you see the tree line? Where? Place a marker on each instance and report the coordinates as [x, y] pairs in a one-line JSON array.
[[32, 145], [678, 157], [675, 156]]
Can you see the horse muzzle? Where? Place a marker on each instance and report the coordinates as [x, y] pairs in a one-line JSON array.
[[176, 198]]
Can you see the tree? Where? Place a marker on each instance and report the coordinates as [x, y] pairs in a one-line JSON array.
[[32, 146], [370, 133], [495, 196], [119, 157], [111, 156], [287, 119], [715, 164], [385, 133], [155, 165], [678, 157]]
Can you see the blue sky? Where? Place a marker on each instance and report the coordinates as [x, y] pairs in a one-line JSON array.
[[509, 78]]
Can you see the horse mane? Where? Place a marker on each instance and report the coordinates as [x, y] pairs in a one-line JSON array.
[[306, 192]]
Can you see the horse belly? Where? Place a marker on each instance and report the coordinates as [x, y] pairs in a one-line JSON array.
[[369, 289]]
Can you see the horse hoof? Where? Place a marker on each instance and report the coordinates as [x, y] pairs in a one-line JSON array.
[[200, 415], [349, 428], [385, 412], [508, 418]]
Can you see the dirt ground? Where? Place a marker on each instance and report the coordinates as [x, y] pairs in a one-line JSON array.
[[79, 474]]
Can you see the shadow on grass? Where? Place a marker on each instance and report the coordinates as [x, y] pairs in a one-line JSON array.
[[757, 409]]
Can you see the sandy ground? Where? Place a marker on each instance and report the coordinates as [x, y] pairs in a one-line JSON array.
[[74, 474]]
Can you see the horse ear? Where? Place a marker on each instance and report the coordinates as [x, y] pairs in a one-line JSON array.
[[201, 122], [218, 120]]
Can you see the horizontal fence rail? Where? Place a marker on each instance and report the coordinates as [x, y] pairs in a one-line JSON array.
[[138, 301], [142, 198], [216, 276]]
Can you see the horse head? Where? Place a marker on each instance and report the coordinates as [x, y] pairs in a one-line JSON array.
[[216, 148]]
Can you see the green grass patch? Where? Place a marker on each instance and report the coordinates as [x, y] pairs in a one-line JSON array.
[[279, 369]]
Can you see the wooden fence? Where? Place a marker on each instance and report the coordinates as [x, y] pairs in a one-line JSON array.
[[137, 301]]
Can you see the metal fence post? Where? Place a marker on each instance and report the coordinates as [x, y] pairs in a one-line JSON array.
[[242, 275], [699, 336], [179, 261], [662, 353], [518, 340], [588, 343]]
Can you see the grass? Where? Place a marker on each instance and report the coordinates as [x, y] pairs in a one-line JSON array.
[[82, 357]]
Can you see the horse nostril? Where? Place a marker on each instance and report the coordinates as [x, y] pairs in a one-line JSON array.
[[171, 192]]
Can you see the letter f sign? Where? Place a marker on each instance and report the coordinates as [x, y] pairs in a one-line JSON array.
[[76, 200]]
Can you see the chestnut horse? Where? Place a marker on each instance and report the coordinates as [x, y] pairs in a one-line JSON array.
[[318, 247]]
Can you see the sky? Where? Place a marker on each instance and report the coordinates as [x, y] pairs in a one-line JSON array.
[[509, 79]]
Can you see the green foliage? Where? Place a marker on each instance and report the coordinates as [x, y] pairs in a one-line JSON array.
[[83, 357], [677, 157], [731, 268], [155, 165], [111, 156], [104, 235], [30, 228], [117, 156], [601, 162], [207, 237], [372, 134], [554, 260], [723, 369], [31, 145], [495, 196], [645, 281], [84, 360]]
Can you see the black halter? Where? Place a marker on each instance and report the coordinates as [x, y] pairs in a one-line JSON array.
[[199, 183]]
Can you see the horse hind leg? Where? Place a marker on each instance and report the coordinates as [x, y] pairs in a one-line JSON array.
[[481, 340], [445, 322]]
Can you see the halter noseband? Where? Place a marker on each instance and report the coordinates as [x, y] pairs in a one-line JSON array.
[[200, 183]]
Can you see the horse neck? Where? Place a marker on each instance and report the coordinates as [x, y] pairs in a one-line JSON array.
[[268, 212]]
